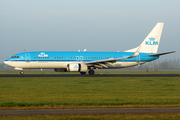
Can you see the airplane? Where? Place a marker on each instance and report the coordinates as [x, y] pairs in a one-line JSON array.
[[83, 61]]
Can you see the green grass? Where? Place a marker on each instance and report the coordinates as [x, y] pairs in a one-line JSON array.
[[153, 116], [91, 91]]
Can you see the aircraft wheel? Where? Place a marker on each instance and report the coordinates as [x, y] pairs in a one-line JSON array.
[[91, 72], [83, 73], [22, 73]]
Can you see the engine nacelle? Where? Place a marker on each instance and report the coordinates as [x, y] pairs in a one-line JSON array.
[[76, 67], [60, 70]]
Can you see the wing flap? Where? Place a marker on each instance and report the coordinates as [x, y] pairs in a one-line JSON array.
[[112, 60]]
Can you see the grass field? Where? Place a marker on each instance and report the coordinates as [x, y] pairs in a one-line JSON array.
[[96, 72], [91, 92], [154, 116]]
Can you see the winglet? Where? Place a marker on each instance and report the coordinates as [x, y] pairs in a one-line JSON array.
[[136, 53]]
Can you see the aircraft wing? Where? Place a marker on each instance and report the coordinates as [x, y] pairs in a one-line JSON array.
[[103, 63]]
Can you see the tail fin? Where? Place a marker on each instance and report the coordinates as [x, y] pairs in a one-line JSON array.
[[151, 42]]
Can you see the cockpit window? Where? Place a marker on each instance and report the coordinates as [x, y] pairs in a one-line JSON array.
[[15, 57]]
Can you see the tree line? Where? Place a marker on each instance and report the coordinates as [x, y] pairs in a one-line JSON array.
[[166, 64]]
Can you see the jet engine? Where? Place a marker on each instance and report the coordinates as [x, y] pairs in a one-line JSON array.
[[76, 67]]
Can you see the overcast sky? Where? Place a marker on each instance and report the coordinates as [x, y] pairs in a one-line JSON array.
[[95, 25]]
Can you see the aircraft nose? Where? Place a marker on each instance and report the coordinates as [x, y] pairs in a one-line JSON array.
[[5, 62]]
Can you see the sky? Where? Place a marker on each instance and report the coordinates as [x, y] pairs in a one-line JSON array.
[[95, 25]]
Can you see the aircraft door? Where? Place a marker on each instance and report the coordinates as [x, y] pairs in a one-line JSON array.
[[27, 57], [81, 58]]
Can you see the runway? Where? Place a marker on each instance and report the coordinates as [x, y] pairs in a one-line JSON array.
[[96, 75], [89, 111]]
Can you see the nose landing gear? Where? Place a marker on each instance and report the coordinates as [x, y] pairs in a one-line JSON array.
[[22, 73]]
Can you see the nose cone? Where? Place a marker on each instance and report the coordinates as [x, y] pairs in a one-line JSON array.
[[7, 62]]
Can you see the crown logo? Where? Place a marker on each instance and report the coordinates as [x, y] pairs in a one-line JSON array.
[[152, 39], [43, 55]]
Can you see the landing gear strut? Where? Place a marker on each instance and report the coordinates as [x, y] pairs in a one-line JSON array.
[[91, 72], [22, 72]]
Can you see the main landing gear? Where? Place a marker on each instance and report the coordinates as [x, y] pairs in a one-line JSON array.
[[22, 73], [91, 72]]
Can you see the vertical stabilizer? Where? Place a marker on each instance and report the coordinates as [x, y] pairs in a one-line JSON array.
[[151, 42]]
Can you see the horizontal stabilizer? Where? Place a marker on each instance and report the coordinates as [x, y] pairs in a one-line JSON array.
[[162, 53]]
